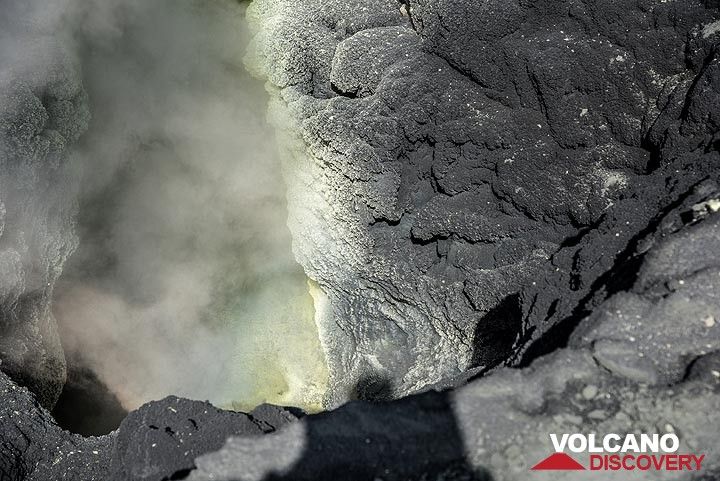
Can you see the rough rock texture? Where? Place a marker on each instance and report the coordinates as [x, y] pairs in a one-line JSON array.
[[645, 361], [34, 448], [157, 442], [652, 333], [524, 183], [616, 377], [398, 441], [43, 110], [465, 175], [161, 439]]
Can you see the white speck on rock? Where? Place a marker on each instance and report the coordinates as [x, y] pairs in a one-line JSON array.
[[590, 391]]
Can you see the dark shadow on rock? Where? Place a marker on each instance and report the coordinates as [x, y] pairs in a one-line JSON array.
[[497, 332], [410, 439], [622, 274], [86, 405], [373, 387]]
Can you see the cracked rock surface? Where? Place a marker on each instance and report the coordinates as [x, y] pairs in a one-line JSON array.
[[159, 441], [646, 360], [465, 177], [527, 191], [614, 377]]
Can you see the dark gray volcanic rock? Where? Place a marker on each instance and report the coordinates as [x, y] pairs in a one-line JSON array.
[[648, 363], [652, 333], [43, 111], [157, 442], [646, 360], [34, 448], [493, 428], [476, 433], [161, 439], [520, 178], [457, 195]]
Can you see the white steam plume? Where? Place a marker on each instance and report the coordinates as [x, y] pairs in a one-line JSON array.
[[184, 282]]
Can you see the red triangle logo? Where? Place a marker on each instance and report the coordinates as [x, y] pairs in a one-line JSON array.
[[558, 462]]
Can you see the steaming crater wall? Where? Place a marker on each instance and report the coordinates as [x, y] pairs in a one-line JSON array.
[[181, 250], [43, 112], [463, 176], [634, 294], [492, 428], [182, 281]]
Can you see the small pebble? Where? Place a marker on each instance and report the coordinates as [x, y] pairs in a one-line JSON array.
[[597, 414], [590, 391]]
